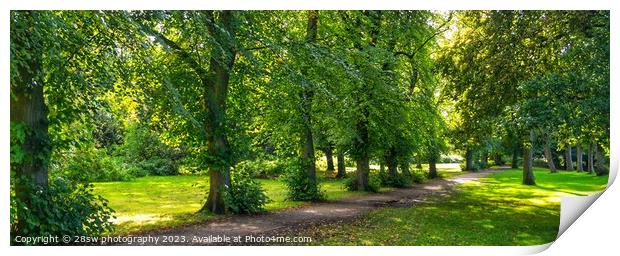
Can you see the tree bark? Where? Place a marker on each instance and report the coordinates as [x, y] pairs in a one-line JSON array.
[[498, 159], [330, 159], [601, 164], [569, 158], [528, 155], [361, 146], [432, 168], [579, 159], [485, 158], [28, 109], [590, 166], [469, 160], [548, 154], [361, 174], [515, 158], [307, 157], [341, 168], [404, 168], [215, 92], [392, 163]]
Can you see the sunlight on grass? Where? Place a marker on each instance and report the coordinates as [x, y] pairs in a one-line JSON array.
[[496, 210], [165, 201], [446, 170]]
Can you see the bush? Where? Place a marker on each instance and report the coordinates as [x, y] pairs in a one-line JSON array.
[[158, 167], [145, 150], [261, 168], [476, 166], [374, 183], [245, 195], [419, 177], [452, 158], [399, 181], [88, 165], [540, 163], [63, 208], [300, 187]]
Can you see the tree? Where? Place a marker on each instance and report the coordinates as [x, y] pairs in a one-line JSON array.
[[60, 62], [220, 27]]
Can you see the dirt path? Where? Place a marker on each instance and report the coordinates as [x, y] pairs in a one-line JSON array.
[[296, 219]]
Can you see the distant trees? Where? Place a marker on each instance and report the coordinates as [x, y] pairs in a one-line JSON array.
[[525, 68]]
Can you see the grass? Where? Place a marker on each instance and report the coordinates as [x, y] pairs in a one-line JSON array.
[[156, 202], [496, 210]]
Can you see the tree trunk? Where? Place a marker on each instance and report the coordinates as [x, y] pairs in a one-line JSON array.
[[215, 93], [392, 163], [330, 159], [579, 159], [307, 157], [418, 164], [469, 160], [361, 147], [341, 168], [528, 155], [361, 174], [590, 166], [498, 159], [28, 109], [432, 168], [569, 158], [404, 168], [601, 164], [515, 158], [548, 155], [485, 159]]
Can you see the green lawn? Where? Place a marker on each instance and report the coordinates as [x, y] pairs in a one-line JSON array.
[[164, 201], [156, 202], [496, 210]]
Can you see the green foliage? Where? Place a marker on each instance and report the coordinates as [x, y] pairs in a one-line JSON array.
[[63, 208], [419, 177], [300, 186], [452, 158], [398, 181], [374, 183], [245, 194], [18, 135], [146, 151], [90, 164], [262, 168]]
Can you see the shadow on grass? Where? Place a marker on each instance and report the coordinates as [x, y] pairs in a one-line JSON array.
[[496, 210]]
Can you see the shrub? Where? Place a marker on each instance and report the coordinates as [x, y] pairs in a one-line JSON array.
[[158, 167], [88, 165], [540, 163], [418, 177], [450, 158], [261, 168], [245, 195], [476, 166], [398, 181], [374, 183], [144, 148], [63, 208], [300, 186]]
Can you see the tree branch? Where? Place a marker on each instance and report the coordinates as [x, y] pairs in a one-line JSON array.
[[437, 32], [178, 49]]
